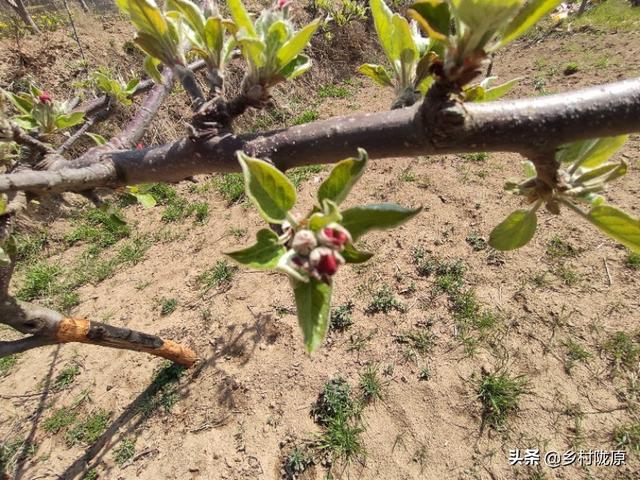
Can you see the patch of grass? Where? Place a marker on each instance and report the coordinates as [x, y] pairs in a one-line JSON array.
[[477, 242], [622, 349], [101, 227], [370, 384], [268, 119], [219, 275], [201, 212], [610, 15], [425, 374], [91, 474], [333, 91], [168, 306], [30, 247], [14, 451], [558, 248], [302, 174], [632, 261], [358, 341], [124, 452], [421, 340], [570, 68], [628, 437], [341, 440], [298, 460], [162, 393], [568, 275], [230, 186], [575, 353], [341, 318], [88, 430], [59, 420], [39, 280], [384, 301], [334, 401], [407, 176], [477, 157], [133, 252], [500, 395], [306, 117], [7, 363], [66, 377], [238, 232]]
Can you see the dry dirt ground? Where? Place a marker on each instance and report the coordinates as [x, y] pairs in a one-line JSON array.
[[553, 308]]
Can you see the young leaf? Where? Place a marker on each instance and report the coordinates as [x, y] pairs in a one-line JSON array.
[[331, 215], [515, 231], [377, 73], [313, 302], [526, 18], [145, 199], [342, 178], [69, 120], [192, 13], [269, 189], [97, 138], [360, 220], [352, 255], [495, 93], [296, 43], [151, 67], [22, 103], [590, 153], [404, 46], [295, 67], [382, 19], [264, 254], [241, 17], [435, 15], [617, 224]]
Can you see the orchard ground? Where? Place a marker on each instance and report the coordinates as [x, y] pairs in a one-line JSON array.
[[458, 353]]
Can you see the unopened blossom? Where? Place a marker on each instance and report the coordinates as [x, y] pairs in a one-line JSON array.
[[45, 97], [139, 146], [325, 261], [334, 236], [282, 3], [304, 241]]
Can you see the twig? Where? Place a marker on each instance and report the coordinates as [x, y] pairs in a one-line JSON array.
[[606, 268], [74, 138], [23, 138], [75, 33]]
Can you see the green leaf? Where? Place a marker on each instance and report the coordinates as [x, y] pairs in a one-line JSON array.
[[603, 173], [192, 14], [436, 14], [296, 67], [296, 43], [342, 178], [150, 45], [377, 73], [151, 68], [590, 153], [331, 214], [214, 34], [404, 46], [241, 17], [145, 199], [26, 122], [68, 120], [253, 50], [131, 86], [21, 102], [97, 138], [264, 254], [526, 18], [382, 19], [269, 189], [360, 220], [617, 224], [495, 93], [352, 255], [313, 303], [515, 231]]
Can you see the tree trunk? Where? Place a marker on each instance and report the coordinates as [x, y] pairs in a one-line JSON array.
[[84, 6], [19, 7]]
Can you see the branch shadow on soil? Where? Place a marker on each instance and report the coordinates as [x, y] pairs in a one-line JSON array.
[[143, 407], [23, 456]]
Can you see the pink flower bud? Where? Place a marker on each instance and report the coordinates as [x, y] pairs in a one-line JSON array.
[[45, 97], [139, 146], [334, 236], [325, 261], [282, 3], [304, 241]]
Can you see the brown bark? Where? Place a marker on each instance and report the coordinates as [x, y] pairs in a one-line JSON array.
[[435, 126], [48, 327], [19, 7]]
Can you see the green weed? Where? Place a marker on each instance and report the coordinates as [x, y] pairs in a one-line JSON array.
[[622, 349], [7, 363], [99, 226], [370, 384], [341, 318], [230, 186], [306, 117], [168, 306], [633, 261], [39, 280], [162, 393], [297, 462], [302, 174], [559, 248], [88, 430], [333, 91], [500, 395], [124, 452], [66, 377], [628, 437], [219, 275], [384, 301], [59, 420]]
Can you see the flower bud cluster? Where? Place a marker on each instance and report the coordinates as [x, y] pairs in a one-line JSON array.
[[317, 254]]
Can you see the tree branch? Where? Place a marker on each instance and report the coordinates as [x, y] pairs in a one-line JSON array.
[[49, 327], [433, 127]]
